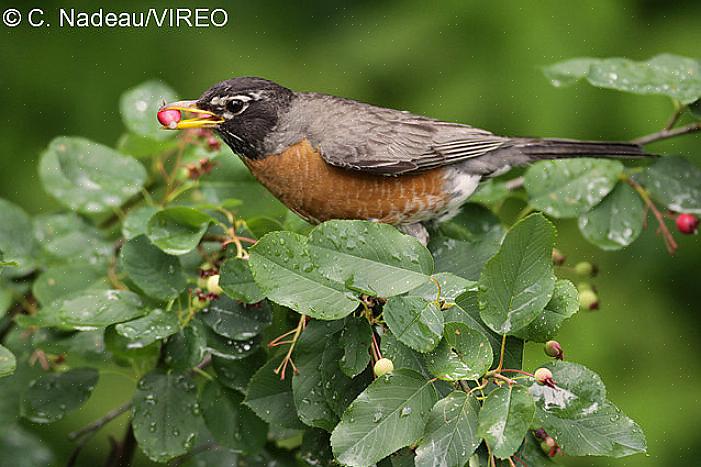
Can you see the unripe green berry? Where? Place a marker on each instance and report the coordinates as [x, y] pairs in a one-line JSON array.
[[553, 349], [198, 303], [585, 269], [213, 284], [383, 366], [588, 300], [543, 375]]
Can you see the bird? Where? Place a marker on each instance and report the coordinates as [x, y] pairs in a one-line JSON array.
[[328, 157]]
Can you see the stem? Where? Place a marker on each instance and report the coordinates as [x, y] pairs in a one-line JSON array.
[[670, 243], [122, 453], [280, 370], [678, 112], [501, 354], [513, 370], [95, 426], [667, 133]]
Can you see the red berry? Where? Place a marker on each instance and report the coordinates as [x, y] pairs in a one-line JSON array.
[[213, 143], [687, 223], [169, 117]]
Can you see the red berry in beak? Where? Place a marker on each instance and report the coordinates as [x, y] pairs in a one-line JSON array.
[[169, 117], [687, 223]]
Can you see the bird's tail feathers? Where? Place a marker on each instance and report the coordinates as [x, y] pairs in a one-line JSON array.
[[546, 148]]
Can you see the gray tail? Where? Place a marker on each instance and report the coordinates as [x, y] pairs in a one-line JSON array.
[[537, 149]]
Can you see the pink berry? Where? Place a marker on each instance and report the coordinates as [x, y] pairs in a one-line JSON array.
[[168, 117], [687, 223]]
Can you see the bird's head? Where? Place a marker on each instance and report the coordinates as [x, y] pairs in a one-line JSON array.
[[241, 110]]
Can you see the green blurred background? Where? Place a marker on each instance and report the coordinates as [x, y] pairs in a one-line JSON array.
[[467, 61]]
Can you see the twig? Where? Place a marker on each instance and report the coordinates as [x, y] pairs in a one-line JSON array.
[[280, 370], [100, 422], [514, 184], [196, 450], [670, 243], [667, 133]]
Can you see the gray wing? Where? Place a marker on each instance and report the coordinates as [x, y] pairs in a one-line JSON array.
[[371, 139]]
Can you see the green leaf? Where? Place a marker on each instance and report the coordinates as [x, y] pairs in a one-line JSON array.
[[271, 397], [466, 310], [390, 414], [416, 322], [88, 177], [237, 281], [283, 269], [517, 283], [403, 356], [675, 182], [235, 320], [340, 390], [616, 222], [136, 221], [669, 75], [563, 305], [186, 348], [8, 363], [316, 450], [577, 414], [177, 230], [157, 274], [62, 281], [450, 437], [144, 331], [52, 395], [231, 423], [307, 385], [139, 106], [368, 256], [505, 418], [165, 415], [143, 147], [355, 340], [29, 449], [570, 187], [236, 374], [92, 309], [569, 71], [229, 348], [464, 354], [68, 238], [16, 242]]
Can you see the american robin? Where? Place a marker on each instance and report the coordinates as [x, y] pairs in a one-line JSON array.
[[327, 157]]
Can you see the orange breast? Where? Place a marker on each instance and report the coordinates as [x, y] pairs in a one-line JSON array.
[[317, 191]]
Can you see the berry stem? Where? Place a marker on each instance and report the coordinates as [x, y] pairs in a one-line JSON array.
[[280, 370], [670, 243]]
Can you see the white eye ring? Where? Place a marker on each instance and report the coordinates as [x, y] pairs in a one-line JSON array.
[[236, 106]]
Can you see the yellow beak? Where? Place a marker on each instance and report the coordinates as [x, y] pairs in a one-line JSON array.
[[198, 118]]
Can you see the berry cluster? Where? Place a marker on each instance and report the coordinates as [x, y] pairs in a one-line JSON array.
[[201, 167], [208, 288], [547, 443]]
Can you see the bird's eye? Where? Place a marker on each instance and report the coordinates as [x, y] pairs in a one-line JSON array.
[[236, 106]]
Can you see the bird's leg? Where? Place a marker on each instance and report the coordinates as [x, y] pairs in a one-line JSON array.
[[416, 230]]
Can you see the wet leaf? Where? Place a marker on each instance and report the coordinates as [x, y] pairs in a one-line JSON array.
[[283, 269], [390, 414], [146, 330], [236, 320], [517, 283], [228, 348], [443, 286], [88, 177], [570, 71], [62, 281], [570, 187], [139, 106], [136, 221], [186, 348], [313, 408], [371, 257], [8, 363], [562, 305], [339, 389], [580, 418], [465, 353], [505, 418], [355, 340], [237, 281], [91, 309], [157, 274], [236, 374], [271, 397], [51, 395], [31, 449], [616, 222], [403, 356], [68, 238], [675, 182], [16, 244], [450, 437], [177, 230], [165, 415], [232, 424], [416, 322]]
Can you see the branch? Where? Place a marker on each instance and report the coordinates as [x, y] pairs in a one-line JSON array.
[[669, 241], [99, 423], [667, 133]]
